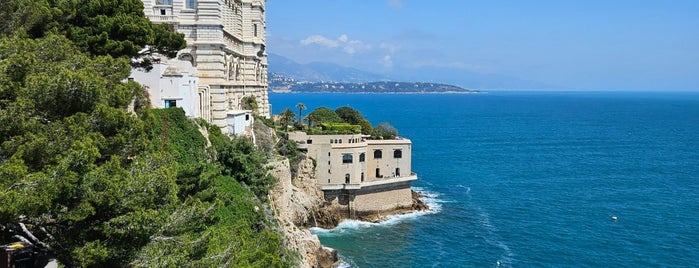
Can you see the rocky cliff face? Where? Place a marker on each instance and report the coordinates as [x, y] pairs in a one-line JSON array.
[[294, 201]]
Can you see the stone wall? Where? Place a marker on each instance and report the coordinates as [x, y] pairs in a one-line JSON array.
[[380, 199]]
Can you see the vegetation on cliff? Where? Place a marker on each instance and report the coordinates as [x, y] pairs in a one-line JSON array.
[[99, 184]]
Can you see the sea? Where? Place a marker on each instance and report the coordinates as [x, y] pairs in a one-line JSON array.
[[534, 179]]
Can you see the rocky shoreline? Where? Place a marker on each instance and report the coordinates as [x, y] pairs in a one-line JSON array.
[[328, 217], [298, 205]]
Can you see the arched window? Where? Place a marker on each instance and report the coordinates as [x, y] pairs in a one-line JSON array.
[[397, 172], [397, 153], [347, 178], [377, 154], [362, 157], [346, 158]]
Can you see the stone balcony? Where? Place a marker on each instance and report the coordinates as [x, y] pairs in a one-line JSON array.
[[171, 19], [368, 183]]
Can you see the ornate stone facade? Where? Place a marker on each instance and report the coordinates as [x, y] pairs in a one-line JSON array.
[[226, 44]]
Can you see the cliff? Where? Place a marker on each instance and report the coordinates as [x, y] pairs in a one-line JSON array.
[[293, 204]]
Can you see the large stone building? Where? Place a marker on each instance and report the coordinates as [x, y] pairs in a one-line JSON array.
[[364, 175], [226, 46]]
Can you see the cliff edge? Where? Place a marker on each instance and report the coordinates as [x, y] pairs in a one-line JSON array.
[[293, 203]]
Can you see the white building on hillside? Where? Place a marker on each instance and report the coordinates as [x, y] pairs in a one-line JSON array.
[[226, 45], [365, 175], [173, 83]]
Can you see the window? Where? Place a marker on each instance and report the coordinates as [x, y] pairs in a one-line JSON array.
[[378, 172], [163, 2], [347, 178], [397, 172], [247, 117], [397, 154], [362, 176], [332, 141], [309, 141], [191, 4], [254, 29], [347, 158], [162, 12], [377, 154], [362, 157], [170, 103]]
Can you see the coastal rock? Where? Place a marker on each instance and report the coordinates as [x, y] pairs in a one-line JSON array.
[[292, 207]]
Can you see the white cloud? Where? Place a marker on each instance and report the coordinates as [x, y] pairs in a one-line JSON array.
[[348, 46], [395, 4], [320, 40]]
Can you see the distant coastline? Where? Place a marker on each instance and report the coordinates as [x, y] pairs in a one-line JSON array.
[[384, 87]]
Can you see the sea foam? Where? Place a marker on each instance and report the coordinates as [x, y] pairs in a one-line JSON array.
[[431, 199]]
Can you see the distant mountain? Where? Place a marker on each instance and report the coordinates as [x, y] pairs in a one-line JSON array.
[[330, 72], [319, 71]]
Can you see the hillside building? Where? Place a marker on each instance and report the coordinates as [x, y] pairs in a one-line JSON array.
[[226, 47], [365, 175]]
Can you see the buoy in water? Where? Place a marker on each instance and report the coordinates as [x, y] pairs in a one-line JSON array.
[[614, 217]]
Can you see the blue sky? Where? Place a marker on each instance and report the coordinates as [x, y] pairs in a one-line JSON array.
[[590, 44]]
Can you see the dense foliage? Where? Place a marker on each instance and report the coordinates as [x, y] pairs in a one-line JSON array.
[[384, 131], [323, 115], [105, 185], [106, 27]]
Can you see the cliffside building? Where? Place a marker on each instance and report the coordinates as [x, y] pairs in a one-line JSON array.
[[365, 175], [226, 47]]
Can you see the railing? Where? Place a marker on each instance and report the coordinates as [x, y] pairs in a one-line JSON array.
[[162, 18]]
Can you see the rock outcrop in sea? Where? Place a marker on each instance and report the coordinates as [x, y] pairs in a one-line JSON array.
[[299, 204]]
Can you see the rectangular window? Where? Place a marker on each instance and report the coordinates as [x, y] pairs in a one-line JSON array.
[[163, 2], [170, 103], [254, 29], [162, 12], [347, 158], [191, 4]]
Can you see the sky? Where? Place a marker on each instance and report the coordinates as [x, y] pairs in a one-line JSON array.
[[585, 44]]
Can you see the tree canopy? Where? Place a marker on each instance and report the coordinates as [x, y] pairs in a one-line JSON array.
[[323, 115], [118, 28], [87, 169]]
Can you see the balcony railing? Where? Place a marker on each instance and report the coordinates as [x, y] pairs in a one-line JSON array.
[[162, 18]]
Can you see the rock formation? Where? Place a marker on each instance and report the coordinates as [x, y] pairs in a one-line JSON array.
[[293, 206]]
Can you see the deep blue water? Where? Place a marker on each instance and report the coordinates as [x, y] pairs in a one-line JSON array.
[[533, 179]]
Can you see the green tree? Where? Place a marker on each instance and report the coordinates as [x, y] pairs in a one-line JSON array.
[[249, 103], [366, 127], [301, 107], [324, 115], [98, 186], [286, 117], [349, 115], [118, 28], [384, 131]]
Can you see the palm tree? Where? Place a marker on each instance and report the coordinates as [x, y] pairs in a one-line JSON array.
[[301, 107], [286, 116]]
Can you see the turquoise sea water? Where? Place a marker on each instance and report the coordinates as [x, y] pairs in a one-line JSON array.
[[533, 179]]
